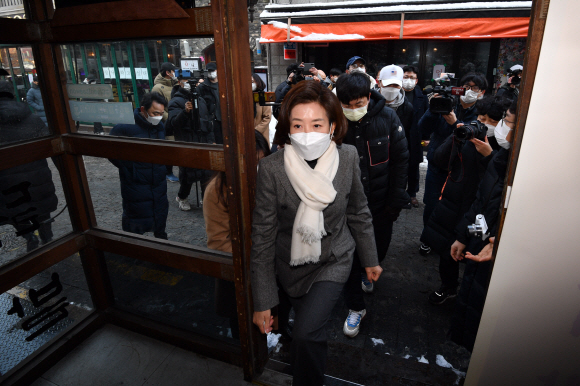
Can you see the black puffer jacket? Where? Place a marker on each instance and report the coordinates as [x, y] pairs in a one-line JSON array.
[[27, 190], [382, 147], [405, 114], [465, 167], [183, 127], [420, 105]]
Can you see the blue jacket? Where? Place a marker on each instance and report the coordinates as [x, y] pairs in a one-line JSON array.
[[34, 99], [143, 185], [434, 126]]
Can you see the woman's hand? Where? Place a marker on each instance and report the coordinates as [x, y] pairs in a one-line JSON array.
[[483, 148], [264, 321], [373, 273], [457, 250], [484, 255]]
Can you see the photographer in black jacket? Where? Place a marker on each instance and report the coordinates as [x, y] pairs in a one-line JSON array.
[[377, 133], [189, 124]]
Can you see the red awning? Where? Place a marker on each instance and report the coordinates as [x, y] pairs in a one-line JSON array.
[[465, 28]]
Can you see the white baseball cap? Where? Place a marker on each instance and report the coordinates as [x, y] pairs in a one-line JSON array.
[[391, 75]]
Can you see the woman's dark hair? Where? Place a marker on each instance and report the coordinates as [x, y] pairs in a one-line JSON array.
[[260, 85], [151, 97], [353, 86], [477, 78], [335, 71], [308, 92], [262, 145]]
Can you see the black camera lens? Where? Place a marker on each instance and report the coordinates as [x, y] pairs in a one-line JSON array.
[[470, 131]]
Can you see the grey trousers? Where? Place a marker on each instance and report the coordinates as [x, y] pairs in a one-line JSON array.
[[309, 341]]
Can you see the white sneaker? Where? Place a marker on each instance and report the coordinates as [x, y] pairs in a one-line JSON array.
[[183, 204], [352, 322]]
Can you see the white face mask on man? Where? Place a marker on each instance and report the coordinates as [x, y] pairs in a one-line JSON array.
[[470, 97], [501, 132], [390, 93], [490, 129], [409, 84], [359, 69], [153, 120], [311, 146], [212, 75], [355, 115]]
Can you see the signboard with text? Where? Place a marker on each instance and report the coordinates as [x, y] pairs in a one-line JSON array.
[[290, 51], [193, 64]]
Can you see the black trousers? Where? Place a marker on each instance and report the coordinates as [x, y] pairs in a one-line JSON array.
[[309, 348], [353, 292], [413, 179], [448, 270]]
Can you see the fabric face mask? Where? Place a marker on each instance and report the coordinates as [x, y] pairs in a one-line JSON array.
[[501, 132], [359, 69], [154, 120], [187, 86], [490, 130], [212, 75], [390, 93], [470, 97], [408, 84], [254, 86], [310, 146], [355, 115]]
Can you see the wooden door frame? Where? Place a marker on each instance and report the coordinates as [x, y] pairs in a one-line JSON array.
[[45, 30]]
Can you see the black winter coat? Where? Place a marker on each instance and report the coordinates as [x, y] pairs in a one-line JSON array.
[[405, 114], [184, 130], [210, 93], [143, 184], [465, 167], [27, 191], [415, 136], [506, 91], [384, 158], [471, 298]]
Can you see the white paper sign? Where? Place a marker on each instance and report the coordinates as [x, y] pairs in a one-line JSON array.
[[30, 76], [138, 74], [190, 64], [106, 73], [142, 73], [437, 70]]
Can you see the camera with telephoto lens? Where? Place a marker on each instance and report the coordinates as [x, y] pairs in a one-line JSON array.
[[447, 91], [479, 228], [471, 130]]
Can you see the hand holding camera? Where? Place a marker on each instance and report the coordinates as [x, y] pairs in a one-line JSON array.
[[188, 107], [450, 118], [482, 147]]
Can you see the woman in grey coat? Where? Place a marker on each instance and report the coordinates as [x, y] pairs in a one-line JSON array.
[[311, 213]]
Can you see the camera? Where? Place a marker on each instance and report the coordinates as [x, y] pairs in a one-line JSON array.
[[471, 130], [448, 92], [479, 228]]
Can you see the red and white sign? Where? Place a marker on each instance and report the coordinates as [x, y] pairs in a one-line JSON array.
[[290, 51]]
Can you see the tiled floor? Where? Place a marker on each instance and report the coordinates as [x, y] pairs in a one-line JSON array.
[[114, 356]]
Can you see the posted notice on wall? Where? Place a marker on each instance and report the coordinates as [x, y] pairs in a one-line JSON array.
[[193, 64], [91, 91], [438, 69], [114, 112], [290, 51]]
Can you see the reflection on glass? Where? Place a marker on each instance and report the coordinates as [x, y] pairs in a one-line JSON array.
[[133, 69], [474, 57], [33, 209], [438, 59], [12, 9], [40, 309], [137, 197], [405, 52], [180, 298]]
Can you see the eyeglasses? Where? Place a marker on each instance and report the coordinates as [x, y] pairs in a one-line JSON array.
[[472, 88], [354, 65]]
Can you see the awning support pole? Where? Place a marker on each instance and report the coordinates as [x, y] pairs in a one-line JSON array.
[[402, 25], [288, 31]]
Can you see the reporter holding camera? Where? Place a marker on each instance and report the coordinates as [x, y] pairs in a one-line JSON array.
[[471, 297], [262, 114], [438, 128], [189, 125]]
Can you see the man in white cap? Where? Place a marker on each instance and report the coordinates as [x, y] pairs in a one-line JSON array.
[[390, 83]]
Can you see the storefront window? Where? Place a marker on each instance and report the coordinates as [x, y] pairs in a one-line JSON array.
[[406, 52], [438, 59], [474, 57]]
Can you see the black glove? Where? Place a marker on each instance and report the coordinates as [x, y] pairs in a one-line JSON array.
[[392, 213]]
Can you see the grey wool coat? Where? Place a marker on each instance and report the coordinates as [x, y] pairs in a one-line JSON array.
[[347, 221]]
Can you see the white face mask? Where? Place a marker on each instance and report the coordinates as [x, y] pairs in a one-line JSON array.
[[409, 84], [154, 120], [390, 93], [470, 97], [254, 86], [311, 146], [355, 115], [186, 86], [501, 132], [359, 69], [212, 75], [490, 129]]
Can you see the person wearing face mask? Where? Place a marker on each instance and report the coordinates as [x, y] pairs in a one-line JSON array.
[[143, 185], [163, 84], [511, 90], [438, 128], [209, 91], [376, 132], [464, 163], [390, 81], [34, 100], [473, 250], [358, 64], [262, 114], [189, 126], [420, 104], [334, 73], [490, 111], [311, 213]]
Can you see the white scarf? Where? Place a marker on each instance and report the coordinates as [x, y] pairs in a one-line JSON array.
[[316, 192]]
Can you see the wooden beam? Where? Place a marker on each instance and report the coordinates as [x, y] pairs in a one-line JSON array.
[[22, 269], [200, 156], [188, 340], [97, 276], [231, 36], [30, 151], [31, 368], [19, 31], [181, 256]]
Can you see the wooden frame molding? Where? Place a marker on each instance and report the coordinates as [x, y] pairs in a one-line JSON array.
[[30, 151]]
